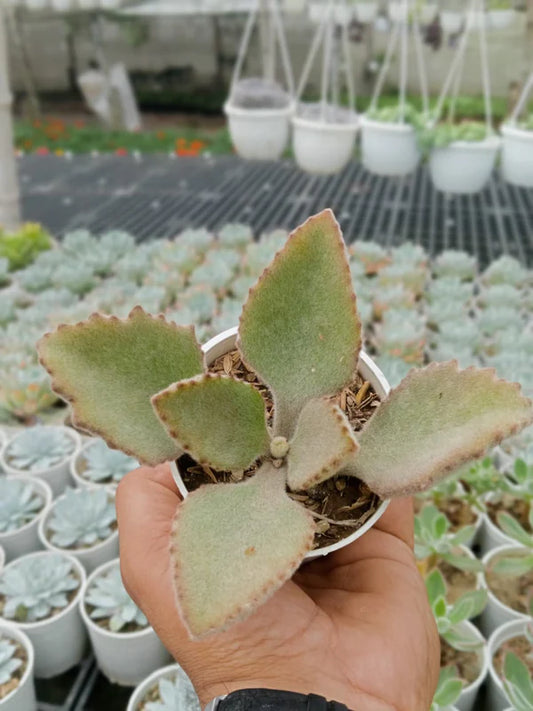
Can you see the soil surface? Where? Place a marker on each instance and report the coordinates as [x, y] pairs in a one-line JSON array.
[[12, 684], [343, 499], [513, 591], [467, 664], [458, 581], [520, 646], [511, 505]]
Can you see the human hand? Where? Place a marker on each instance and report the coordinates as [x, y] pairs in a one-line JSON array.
[[355, 627]]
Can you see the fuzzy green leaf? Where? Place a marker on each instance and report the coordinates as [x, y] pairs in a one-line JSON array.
[[435, 586], [463, 562], [109, 368], [218, 420], [299, 329], [469, 605], [322, 443], [256, 538], [438, 418], [513, 566], [512, 528], [518, 683]]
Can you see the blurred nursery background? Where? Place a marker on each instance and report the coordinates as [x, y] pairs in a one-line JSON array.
[[158, 152]]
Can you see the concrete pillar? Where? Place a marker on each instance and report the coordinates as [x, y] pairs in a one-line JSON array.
[[9, 193]]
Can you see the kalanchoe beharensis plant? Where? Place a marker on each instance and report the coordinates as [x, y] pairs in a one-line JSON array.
[[141, 383], [81, 518], [18, 504], [108, 600]]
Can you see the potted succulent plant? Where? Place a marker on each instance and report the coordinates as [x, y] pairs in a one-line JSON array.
[[97, 465], [17, 691], [39, 594], [517, 153], [509, 683], [501, 13], [303, 344], [167, 689], [82, 523], [43, 451], [23, 501], [462, 156], [455, 264], [505, 270], [125, 646], [462, 645]]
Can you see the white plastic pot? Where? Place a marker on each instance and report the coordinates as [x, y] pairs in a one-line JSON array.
[[59, 642], [389, 149], [91, 558], [80, 481], [23, 697], [451, 22], [501, 19], [496, 613], [125, 658], [469, 693], [25, 539], [464, 167], [323, 148], [259, 134], [491, 536], [57, 477], [366, 12], [224, 342], [517, 156], [150, 682], [496, 696]]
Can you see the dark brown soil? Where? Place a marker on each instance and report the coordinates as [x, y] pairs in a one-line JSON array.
[[458, 581], [513, 591], [511, 505], [340, 498], [12, 684], [467, 664], [520, 646]]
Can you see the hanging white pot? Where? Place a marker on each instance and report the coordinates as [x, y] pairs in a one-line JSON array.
[[125, 658], [322, 147], [25, 539], [496, 613], [501, 19], [517, 156], [259, 134], [451, 22], [171, 673], [468, 696], [22, 698], [389, 149], [497, 698], [464, 167], [225, 342], [366, 12]]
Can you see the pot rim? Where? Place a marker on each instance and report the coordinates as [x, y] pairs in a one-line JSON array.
[[81, 553], [485, 660], [10, 630], [39, 624], [386, 126], [89, 623], [486, 560], [45, 490], [148, 682], [326, 126], [81, 481], [491, 143], [511, 130], [515, 628], [40, 472], [218, 341], [232, 110]]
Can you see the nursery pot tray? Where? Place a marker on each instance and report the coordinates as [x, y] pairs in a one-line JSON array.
[[339, 499]]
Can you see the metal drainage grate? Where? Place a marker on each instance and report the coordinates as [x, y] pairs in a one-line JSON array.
[[158, 196]]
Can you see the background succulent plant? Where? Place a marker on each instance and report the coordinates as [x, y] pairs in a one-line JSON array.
[[39, 447], [8, 662], [19, 504], [109, 600], [304, 344], [36, 585], [81, 518], [175, 694], [105, 465]]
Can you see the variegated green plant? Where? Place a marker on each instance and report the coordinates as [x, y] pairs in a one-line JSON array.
[[300, 333]]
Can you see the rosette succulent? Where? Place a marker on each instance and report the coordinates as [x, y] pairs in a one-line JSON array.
[[19, 504], [142, 384], [38, 448], [108, 600], [36, 585], [81, 518], [105, 465], [175, 694], [8, 662]]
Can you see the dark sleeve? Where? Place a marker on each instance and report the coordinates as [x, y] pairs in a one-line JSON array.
[[274, 700]]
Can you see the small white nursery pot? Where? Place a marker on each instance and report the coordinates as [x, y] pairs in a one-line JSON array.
[[60, 641], [389, 149], [91, 557], [497, 698], [259, 134], [25, 539], [125, 658], [464, 167], [224, 342], [496, 613], [517, 156], [469, 693], [170, 673], [321, 147], [23, 697], [56, 475]]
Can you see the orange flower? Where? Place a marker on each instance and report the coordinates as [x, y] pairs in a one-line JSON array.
[[197, 145], [181, 143], [42, 151], [121, 152]]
